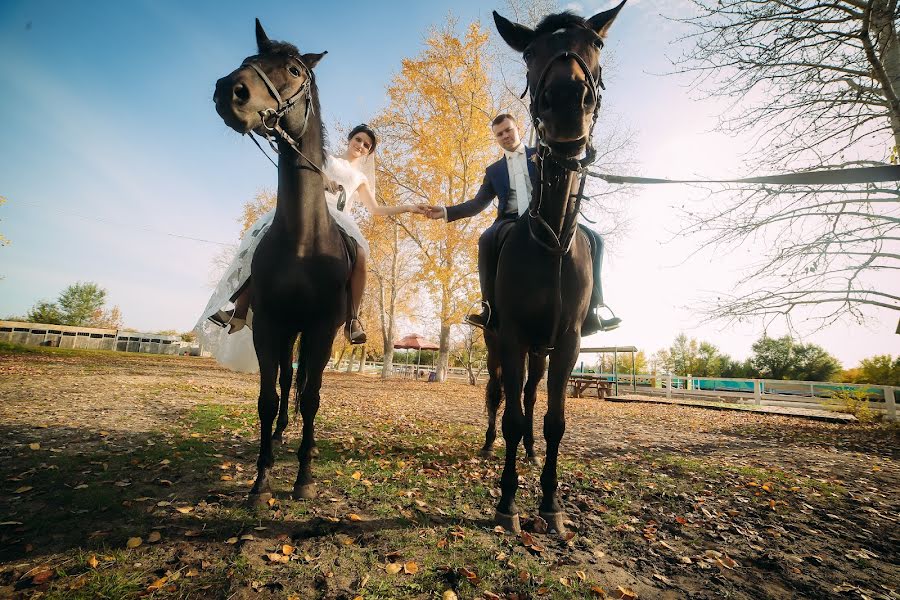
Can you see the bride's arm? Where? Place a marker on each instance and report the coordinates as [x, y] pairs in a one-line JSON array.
[[365, 196]]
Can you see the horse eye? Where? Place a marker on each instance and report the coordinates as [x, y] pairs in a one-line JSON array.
[[294, 71]]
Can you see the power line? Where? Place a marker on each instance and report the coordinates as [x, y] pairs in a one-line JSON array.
[[120, 224]]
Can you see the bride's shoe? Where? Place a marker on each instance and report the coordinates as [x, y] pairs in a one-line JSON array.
[[236, 324], [226, 318]]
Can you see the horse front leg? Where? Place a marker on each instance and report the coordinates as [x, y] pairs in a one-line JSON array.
[[493, 396], [285, 377], [513, 366], [537, 365], [562, 360], [267, 408], [315, 352]]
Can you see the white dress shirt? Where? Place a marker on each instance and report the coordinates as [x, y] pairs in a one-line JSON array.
[[519, 182]]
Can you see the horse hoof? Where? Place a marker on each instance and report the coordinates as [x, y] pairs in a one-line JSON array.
[[314, 452], [277, 439], [486, 453], [555, 521], [258, 500], [508, 522], [305, 492], [534, 460]]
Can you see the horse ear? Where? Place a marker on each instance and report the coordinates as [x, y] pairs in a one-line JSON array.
[[601, 21], [262, 40], [311, 60], [517, 36]]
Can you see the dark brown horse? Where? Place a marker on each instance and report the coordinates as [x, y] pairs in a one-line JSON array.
[[301, 267], [544, 275]]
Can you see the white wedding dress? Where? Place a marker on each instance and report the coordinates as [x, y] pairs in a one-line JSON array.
[[235, 351]]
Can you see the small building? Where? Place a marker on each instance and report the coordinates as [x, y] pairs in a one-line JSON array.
[[88, 338]]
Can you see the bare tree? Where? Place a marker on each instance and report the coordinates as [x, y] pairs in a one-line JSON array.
[[815, 83]]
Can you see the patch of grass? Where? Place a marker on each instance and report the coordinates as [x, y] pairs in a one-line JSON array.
[[107, 584]]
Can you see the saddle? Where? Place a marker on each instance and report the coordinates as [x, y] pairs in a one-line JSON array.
[[350, 246]]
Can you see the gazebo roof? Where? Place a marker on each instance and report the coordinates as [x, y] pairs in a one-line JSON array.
[[414, 341]]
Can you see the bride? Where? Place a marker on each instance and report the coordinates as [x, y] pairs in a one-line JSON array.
[[348, 177]]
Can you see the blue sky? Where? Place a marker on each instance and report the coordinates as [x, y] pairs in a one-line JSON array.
[[106, 113]]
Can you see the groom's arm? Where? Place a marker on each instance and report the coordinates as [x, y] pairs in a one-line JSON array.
[[470, 208]]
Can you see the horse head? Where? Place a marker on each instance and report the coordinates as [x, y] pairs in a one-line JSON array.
[[273, 88], [562, 55]]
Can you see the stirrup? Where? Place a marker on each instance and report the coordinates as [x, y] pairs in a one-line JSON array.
[[355, 338], [222, 317], [485, 314]]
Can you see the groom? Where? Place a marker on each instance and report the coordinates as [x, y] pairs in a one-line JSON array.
[[510, 180]]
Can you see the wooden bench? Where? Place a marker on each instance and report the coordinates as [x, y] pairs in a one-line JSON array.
[[582, 382]]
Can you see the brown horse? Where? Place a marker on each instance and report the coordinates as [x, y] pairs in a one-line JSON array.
[[301, 266], [544, 275]]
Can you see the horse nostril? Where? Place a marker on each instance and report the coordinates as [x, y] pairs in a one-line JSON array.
[[241, 93], [587, 97]]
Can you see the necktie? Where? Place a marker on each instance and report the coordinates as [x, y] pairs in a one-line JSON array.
[[518, 176]]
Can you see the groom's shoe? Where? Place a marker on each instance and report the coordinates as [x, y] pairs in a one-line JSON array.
[[481, 319], [592, 324], [355, 332]]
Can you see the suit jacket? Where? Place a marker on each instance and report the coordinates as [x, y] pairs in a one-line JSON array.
[[495, 185]]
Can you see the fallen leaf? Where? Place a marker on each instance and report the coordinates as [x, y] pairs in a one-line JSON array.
[[410, 568], [133, 542], [491, 596], [157, 584], [565, 581], [393, 568], [287, 549], [449, 595], [354, 517], [598, 591], [184, 509], [35, 446], [357, 475], [93, 562], [154, 537], [626, 593], [23, 489], [231, 540], [581, 575], [226, 478]]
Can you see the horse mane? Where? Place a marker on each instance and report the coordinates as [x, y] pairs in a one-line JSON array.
[[563, 20]]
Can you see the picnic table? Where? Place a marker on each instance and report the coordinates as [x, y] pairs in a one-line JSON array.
[[581, 382]]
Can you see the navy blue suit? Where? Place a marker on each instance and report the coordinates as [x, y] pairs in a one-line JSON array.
[[496, 185]]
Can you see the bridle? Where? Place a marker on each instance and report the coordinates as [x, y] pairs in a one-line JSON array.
[[562, 243], [271, 117]]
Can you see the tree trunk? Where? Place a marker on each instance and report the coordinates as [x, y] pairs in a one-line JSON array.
[[350, 361], [387, 368], [443, 360], [887, 49]]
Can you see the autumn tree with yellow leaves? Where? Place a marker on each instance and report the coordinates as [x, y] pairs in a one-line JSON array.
[[435, 144]]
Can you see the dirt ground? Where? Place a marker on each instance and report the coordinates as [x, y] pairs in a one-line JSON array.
[[126, 476]]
